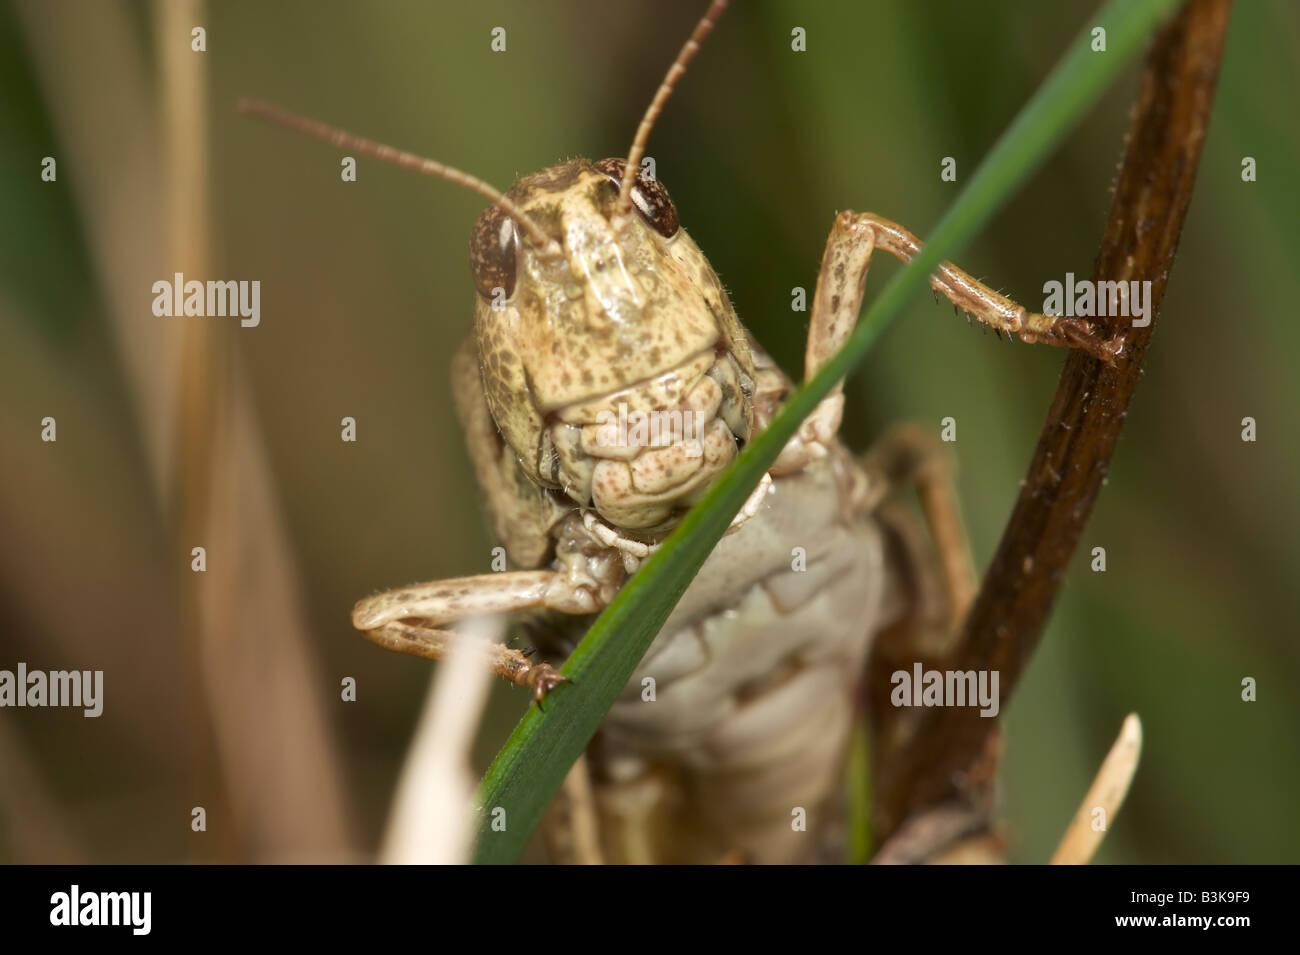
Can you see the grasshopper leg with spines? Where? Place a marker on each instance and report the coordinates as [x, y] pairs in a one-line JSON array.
[[410, 620], [838, 300]]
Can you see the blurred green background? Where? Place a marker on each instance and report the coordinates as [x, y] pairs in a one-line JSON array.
[[365, 293]]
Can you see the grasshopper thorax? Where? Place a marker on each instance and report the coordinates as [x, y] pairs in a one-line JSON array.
[[612, 359]]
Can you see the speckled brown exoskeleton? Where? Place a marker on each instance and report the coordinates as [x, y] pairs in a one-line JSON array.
[[595, 306]]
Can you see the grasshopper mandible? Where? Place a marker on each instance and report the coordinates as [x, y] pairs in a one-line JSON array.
[[594, 306]]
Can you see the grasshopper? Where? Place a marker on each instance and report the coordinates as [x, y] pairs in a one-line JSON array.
[[594, 308]]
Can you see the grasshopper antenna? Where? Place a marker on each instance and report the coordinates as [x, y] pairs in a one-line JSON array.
[[702, 29], [399, 157]]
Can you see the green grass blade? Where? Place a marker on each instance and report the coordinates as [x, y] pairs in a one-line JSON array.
[[531, 766], [858, 796]]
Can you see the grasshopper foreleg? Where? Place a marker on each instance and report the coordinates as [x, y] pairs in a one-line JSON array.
[[506, 662], [411, 619], [838, 300], [844, 271]]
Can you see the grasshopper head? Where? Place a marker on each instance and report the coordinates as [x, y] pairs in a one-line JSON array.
[[613, 362], [612, 359]]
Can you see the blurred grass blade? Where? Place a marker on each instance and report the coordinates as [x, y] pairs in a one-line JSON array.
[[531, 766], [858, 795]]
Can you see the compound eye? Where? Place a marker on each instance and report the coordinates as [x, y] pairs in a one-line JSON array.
[[648, 195], [494, 253]]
